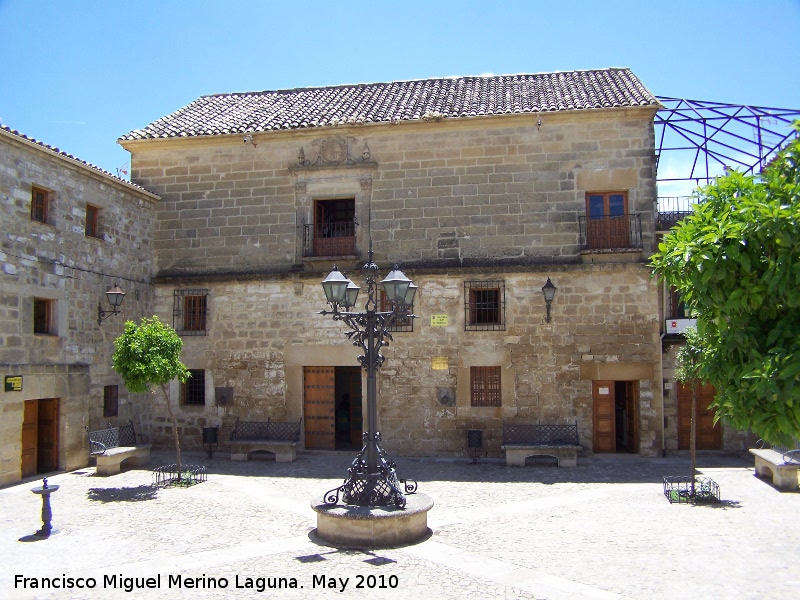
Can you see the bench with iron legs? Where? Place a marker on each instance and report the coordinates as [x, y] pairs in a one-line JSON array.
[[116, 445], [521, 440], [779, 464], [278, 437]]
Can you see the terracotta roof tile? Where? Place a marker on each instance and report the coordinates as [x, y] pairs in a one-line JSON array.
[[455, 97], [62, 154]]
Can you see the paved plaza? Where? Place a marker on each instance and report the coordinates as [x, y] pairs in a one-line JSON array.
[[601, 530]]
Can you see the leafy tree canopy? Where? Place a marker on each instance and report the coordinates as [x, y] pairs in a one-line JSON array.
[[148, 354], [736, 262]]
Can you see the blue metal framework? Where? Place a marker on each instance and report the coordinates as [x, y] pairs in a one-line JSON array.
[[713, 136]]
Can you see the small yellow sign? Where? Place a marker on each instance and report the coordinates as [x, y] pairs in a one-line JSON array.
[[438, 320], [439, 363], [13, 383]]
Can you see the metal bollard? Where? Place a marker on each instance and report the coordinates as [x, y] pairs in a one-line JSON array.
[[47, 514]]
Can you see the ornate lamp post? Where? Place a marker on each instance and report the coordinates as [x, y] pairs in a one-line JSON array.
[[372, 478]]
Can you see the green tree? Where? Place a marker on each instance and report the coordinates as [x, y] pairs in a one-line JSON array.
[[689, 357], [148, 355], [736, 262]]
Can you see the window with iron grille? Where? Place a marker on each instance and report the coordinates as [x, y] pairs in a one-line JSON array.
[[39, 204], [92, 221], [110, 401], [484, 305], [44, 316], [189, 311], [334, 229], [484, 386], [193, 392], [401, 324]]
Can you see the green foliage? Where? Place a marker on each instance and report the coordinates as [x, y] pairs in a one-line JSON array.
[[148, 354], [690, 357], [736, 262]]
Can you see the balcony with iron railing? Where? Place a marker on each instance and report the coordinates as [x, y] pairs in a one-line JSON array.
[[672, 209], [324, 240], [617, 233]]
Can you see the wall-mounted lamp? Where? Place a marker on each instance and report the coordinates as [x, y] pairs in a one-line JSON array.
[[115, 297], [549, 291]]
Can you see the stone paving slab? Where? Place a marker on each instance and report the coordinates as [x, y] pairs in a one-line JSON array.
[[601, 530]]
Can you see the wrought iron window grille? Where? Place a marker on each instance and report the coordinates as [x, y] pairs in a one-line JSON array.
[[329, 239], [190, 312], [485, 305], [193, 392], [403, 324], [623, 232]]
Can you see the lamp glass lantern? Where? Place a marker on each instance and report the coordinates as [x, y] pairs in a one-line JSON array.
[[549, 291], [396, 285], [351, 294], [115, 296], [335, 286], [412, 291]]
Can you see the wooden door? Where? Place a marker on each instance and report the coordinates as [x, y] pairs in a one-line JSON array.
[[607, 221], [47, 447], [604, 428], [319, 405], [30, 437], [709, 436]]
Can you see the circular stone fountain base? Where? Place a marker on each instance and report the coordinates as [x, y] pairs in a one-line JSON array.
[[348, 526]]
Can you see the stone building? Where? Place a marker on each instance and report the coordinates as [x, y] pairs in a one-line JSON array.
[[482, 189], [70, 232]]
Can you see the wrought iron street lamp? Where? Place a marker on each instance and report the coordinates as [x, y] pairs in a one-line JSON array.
[[549, 291], [115, 297], [372, 477]]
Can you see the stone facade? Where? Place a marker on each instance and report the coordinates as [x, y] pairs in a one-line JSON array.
[[453, 202], [55, 266]]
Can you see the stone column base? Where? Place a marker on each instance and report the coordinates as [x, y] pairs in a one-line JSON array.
[[347, 526]]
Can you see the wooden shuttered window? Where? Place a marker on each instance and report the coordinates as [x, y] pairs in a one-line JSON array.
[[485, 386]]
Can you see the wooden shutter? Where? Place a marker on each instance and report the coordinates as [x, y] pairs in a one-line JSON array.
[[30, 437], [47, 451], [319, 404], [709, 436], [604, 426]]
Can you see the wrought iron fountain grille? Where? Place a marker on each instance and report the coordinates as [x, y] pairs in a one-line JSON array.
[[678, 490], [362, 488], [170, 475]]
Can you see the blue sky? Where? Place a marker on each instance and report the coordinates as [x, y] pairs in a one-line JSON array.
[[78, 74]]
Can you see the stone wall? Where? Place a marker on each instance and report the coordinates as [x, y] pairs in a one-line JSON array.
[[56, 261], [456, 193], [261, 333], [452, 201]]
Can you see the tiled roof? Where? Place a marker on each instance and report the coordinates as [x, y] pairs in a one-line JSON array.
[[455, 97], [62, 154]]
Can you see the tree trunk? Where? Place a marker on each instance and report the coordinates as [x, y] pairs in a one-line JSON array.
[[165, 390], [693, 432]]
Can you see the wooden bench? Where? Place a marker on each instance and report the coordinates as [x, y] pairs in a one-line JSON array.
[[521, 440], [779, 464], [278, 437], [115, 445]]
